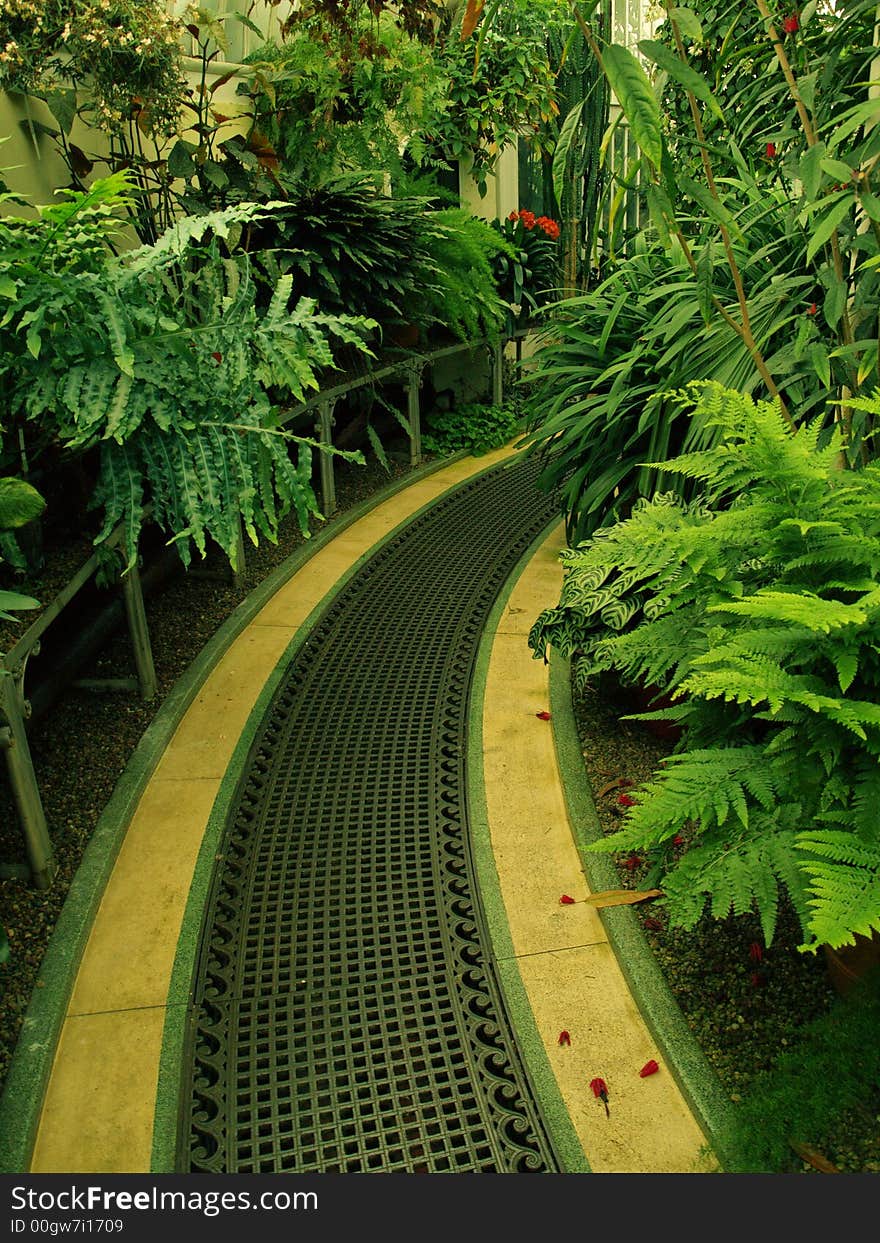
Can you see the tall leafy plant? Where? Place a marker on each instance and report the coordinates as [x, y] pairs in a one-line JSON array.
[[757, 608], [757, 175]]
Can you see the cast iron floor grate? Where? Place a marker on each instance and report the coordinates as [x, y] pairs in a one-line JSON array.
[[345, 1016]]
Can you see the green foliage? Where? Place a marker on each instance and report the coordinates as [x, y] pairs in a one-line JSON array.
[[460, 292], [756, 263], [475, 427], [351, 248], [833, 1068], [164, 361], [596, 408], [497, 91], [330, 104], [115, 52], [19, 504], [758, 611]]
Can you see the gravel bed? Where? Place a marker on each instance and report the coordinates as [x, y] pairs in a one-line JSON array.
[[743, 1001]]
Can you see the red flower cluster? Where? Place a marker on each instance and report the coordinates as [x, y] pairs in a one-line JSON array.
[[771, 150], [791, 25], [528, 220]]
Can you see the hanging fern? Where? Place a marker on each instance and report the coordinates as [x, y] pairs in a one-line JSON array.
[[758, 609]]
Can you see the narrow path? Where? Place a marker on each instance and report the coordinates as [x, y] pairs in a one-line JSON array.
[[347, 1015]]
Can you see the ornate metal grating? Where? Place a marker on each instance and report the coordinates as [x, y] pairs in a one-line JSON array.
[[345, 1015]]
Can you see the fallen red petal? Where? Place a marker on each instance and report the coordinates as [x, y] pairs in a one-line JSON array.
[[566, 900], [649, 1068], [632, 863], [564, 1038], [652, 923], [624, 800], [756, 979], [543, 716], [678, 840], [755, 952], [217, 357], [599, 1088]]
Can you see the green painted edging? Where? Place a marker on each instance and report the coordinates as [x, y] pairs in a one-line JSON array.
[[28, 1076], [171, 1060], [699, 1084], [531, 1046]]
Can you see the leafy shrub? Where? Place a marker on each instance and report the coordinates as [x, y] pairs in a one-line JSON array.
[[459, 292], [758, 608], [352, 249], [162, 360], [475, 427], [330, 101]]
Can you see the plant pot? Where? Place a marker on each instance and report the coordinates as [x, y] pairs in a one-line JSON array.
[[848, 965]]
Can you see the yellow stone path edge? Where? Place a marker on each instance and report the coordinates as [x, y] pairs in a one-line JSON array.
[[98, 1109], [562, 954]]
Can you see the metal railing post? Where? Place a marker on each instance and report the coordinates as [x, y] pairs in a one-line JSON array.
[[413, 411], [324, 425], [139, 633], [25, 791]]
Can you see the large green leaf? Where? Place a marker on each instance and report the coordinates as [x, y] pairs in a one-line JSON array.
[[634, 93], [14, 600], [667, 60], [563, 149], [20, 503]]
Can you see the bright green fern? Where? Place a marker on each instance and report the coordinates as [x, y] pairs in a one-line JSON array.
[[758, 610]]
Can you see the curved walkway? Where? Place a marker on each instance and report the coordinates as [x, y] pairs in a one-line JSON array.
[[401, 1008]]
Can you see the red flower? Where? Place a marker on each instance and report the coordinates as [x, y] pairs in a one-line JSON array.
[[678, 840], [771, 150], [812, 309], [632, 862], [513, 216], [543, 716], [625, 800], [218, 358], [755, 952], [649, 1068], [527, 219], [600, 1091], [565, 900], [791, 25], [564, 1038]]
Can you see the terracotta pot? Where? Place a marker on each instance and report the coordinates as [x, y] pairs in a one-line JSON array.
[[849, 964]]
